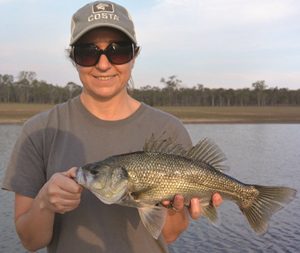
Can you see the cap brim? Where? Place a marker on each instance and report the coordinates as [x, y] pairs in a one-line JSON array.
[[87, 29]]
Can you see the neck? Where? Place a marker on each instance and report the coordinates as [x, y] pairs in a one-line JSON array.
[[115, 108]]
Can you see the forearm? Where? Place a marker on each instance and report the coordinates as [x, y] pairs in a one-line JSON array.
[[35, 226], [176, 223], [34, 218]]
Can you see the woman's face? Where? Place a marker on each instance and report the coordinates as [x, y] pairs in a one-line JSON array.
[[104, 80]]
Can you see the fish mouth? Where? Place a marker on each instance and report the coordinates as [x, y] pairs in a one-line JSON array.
[[80, 176]]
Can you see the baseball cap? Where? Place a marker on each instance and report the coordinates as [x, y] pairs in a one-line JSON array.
[[101, 14]]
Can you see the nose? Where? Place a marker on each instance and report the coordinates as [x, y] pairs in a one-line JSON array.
[[103, 63]]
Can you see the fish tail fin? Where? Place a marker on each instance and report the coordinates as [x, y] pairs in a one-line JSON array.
[[269, 201]]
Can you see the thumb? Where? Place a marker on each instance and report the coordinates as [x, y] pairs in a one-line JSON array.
[[71, 173]]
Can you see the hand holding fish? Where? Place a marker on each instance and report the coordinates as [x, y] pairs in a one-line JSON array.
[[177, 220], [61, 193], [34, 218], [194, 207]]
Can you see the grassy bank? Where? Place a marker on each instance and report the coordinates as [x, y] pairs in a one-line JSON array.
[[253, 114], [18, 113]]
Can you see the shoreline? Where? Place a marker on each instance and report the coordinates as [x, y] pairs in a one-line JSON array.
[[19, 113], [196, 121], [238, 121]]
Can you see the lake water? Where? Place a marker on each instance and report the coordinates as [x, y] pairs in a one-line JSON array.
[[257, 153]]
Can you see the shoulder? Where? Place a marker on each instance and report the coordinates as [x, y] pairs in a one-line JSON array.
[[51, 118], [165, 122], [157, 114]]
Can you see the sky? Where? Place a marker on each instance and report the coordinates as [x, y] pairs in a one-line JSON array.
[[216, 43]]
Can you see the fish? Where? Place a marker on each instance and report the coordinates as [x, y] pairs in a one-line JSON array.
[[163, 169]]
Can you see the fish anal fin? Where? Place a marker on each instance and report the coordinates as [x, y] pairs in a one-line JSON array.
[[153, 218], [210, 212]]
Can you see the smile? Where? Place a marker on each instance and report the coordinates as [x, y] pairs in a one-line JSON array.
[[105, 78]]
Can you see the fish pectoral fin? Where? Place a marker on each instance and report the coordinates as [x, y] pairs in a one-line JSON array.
[[210, 212], [153, 218]]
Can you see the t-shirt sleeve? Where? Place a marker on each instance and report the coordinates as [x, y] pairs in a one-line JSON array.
[[25, 172], [164, 124], [180, 134]]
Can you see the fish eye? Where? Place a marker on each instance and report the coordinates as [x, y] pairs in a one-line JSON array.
[[94, 172]]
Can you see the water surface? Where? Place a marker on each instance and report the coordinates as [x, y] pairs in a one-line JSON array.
[[257, 153]]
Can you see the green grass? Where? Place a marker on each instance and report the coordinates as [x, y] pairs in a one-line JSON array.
[[18, 113]]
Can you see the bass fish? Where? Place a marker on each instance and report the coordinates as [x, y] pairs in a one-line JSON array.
[[143, 179]]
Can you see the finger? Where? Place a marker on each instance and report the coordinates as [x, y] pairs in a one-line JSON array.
[[217, 199], [71, 173], [55, 193], [64, 205], [69, 185], [195, 208], [178, 202], [166, 203], [66, 195], [73, 187]]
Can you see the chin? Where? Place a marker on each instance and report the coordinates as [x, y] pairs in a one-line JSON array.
[[106, 94]]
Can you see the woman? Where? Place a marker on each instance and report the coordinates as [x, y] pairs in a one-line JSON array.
[[51, 209]]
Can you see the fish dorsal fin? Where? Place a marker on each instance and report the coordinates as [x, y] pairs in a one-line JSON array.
[[208, 152], [205, 150], [163, 145]]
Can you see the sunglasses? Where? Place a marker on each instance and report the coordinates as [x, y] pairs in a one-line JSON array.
[[88, 55]]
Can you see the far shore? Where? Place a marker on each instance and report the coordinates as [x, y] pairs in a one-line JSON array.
[[19, 113]]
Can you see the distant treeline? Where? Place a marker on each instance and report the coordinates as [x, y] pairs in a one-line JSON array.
[[27, 89]]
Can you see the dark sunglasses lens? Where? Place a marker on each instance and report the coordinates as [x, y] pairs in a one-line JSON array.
[[86, 55], [120, 53]]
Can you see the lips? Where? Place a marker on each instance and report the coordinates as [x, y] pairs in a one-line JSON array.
[[105, 78]]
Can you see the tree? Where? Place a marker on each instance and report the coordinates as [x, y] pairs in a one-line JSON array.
[[172, 85], [6, 89], [27, 75], [73, 89], [25, 80], [259, 87]]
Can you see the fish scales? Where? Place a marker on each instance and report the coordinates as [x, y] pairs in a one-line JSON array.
[[163, 169], [165, 174]]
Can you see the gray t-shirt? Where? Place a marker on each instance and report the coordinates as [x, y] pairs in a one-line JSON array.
[[68, 135]]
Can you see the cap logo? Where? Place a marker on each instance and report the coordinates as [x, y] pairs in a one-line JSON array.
[[103, 7], [103, 11]]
